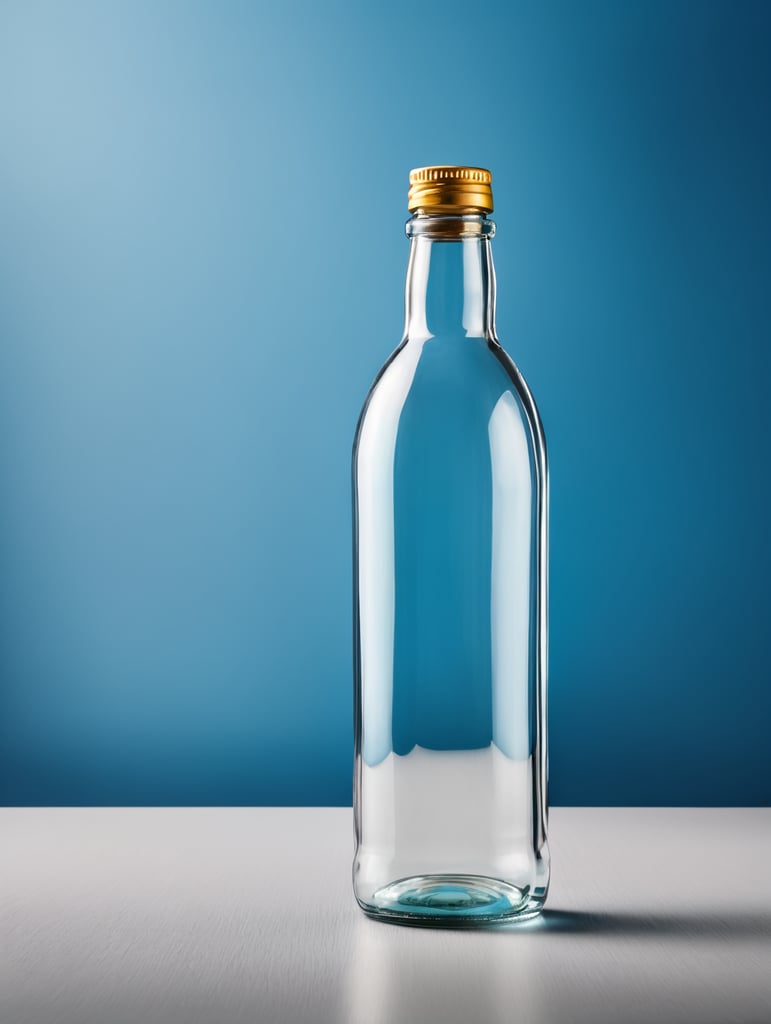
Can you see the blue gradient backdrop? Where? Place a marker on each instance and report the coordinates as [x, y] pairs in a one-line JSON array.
[[201, 270]]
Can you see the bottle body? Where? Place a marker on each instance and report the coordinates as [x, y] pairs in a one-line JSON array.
[[450, 512]]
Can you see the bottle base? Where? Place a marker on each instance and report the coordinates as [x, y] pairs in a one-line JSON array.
[[452, 900]]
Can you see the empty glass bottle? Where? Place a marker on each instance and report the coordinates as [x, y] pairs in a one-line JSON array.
[[450, 549]]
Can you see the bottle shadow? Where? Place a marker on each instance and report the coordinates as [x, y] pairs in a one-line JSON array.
[[639, 924], [710, 925]]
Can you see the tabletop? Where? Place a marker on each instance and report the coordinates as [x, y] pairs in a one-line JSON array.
[[224, 915]]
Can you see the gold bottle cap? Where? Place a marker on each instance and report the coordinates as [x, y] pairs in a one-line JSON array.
[[449, 189]]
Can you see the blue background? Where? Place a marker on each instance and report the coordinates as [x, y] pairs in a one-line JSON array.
[[201, 270]]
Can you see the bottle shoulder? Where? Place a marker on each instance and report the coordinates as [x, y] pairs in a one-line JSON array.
[[453, 376], [452, 391]]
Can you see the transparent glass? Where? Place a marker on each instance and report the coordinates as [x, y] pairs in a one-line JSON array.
[[450, 548]]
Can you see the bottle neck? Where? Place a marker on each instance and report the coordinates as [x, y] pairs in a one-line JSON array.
[[450, 277]]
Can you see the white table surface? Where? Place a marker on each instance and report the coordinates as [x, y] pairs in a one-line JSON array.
[[220, 915]]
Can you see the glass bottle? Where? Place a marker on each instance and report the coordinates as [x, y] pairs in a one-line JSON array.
[[450, 587]]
